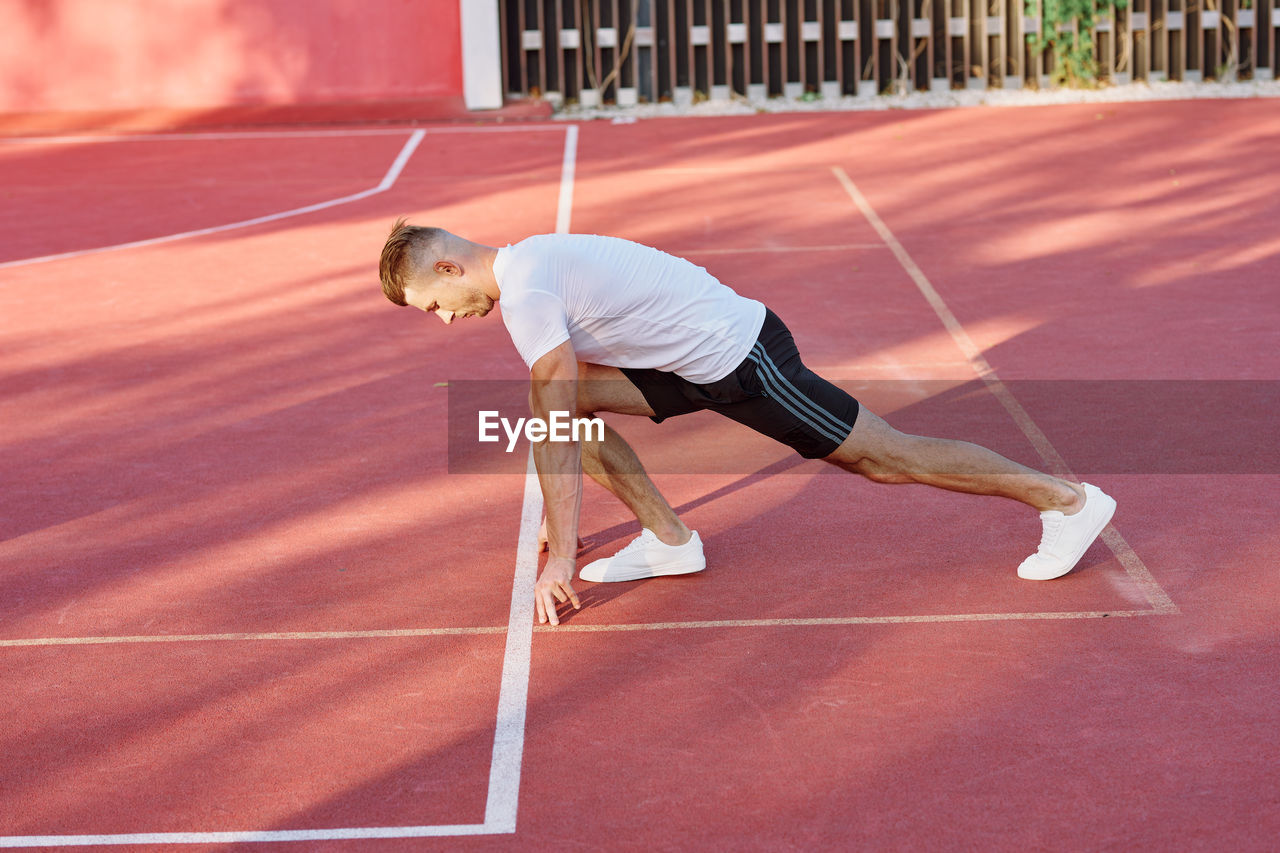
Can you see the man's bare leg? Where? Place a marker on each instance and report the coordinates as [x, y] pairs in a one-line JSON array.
[[612, 463], [881, 453], [1072, 515]]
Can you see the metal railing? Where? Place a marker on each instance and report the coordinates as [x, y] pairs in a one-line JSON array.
[[633, 51]]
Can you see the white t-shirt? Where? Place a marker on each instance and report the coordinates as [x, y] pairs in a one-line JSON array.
[[622, 304]]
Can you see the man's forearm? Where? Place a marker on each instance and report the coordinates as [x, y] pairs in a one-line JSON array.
[[559, 465]]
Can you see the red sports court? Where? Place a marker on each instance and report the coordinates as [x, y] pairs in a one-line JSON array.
[[248, 599]]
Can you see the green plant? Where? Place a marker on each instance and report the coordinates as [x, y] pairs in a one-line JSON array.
[[1066, 30]]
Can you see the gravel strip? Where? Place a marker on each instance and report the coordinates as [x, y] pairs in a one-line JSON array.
[[1159, 91]]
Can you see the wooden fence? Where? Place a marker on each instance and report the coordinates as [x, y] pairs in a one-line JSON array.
[[630, 51]]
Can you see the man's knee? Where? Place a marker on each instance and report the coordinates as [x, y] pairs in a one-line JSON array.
[[880, 468], [875, 450]]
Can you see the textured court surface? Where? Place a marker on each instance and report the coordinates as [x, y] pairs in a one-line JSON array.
[[244, 594]]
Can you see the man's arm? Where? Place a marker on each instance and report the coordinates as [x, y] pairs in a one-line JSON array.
[[553, 382]]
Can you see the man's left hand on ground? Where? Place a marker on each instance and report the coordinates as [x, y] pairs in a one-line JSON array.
[[555, 584]]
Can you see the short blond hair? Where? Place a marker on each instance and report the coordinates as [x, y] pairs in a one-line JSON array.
[[407, 250]]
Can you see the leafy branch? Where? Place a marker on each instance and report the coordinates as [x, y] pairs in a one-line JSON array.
[[1066, 31]]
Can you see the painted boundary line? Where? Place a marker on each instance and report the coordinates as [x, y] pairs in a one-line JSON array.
[[258, 637], [388, 181], [513, 699], [266, 134], [846, 247], [527, 586], [241, 837], [813, 621], [502, 800], [1133, 565]]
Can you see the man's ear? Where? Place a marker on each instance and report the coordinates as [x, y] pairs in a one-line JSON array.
[[446, 267]]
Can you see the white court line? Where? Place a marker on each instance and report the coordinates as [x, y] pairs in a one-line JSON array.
[[266, 134], [503, 796], [388, 181], [253, 637], [513, 700], [1133, 565], [564, 207], [525, 587], [720, 170], [263, 836], [845, 247], [860, 371], [814, 621]]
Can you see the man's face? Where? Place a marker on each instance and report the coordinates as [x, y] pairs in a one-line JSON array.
[[447, 298]]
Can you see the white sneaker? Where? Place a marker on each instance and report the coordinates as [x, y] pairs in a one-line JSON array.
[[647, 556], [1067, 537]]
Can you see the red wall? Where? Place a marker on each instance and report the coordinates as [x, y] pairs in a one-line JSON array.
[[130, 54]]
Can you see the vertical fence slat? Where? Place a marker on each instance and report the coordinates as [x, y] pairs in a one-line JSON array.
[[848, 30], [1161, 40], [692, 37], [1001, 73], [1035, 59], [535, 57], [646, 52], [939, 54], [754, 50], [1180, 60], [1127, 62], [560, 81], [1193, 41], [1272, 37], [719, 78], [1015, 56], [1132, 47], [1247, 19]]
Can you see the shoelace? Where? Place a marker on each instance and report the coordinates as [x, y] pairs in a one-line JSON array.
[[636, 544], [1049, 536]]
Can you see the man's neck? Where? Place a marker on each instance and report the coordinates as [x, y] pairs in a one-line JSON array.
[[485, 257]]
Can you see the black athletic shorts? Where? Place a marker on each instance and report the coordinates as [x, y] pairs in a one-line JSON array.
[[771, 391]]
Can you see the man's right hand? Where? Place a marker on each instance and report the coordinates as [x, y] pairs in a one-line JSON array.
[[554, 584]]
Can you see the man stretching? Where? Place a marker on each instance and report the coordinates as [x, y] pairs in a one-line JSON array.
[[607, 325]]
